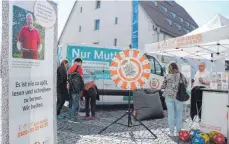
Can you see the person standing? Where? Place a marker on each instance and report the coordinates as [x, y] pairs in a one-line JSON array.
[[29, 40], [202, 76], [91, 94], [170, 88], [62, 92], [90, 99], [74, 99], [201, 80]]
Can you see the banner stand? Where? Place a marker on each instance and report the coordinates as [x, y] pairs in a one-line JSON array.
[[28, 79]]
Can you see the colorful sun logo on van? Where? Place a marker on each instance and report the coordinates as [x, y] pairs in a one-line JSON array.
[[154, 84], [130, 69]]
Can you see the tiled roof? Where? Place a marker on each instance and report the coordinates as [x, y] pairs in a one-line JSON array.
[[169, 16]]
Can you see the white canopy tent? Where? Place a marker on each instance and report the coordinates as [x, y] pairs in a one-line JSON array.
[[210, 41]]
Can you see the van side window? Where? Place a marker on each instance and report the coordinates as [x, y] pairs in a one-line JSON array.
[[158, 68], [153, 70]]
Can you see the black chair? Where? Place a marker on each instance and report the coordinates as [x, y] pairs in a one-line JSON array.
[[147, 106]]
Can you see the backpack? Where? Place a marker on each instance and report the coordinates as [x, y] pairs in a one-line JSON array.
[[76, 81]]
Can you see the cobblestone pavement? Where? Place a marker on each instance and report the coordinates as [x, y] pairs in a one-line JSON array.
[[86, 132]]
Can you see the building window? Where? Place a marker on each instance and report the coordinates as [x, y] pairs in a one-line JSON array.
[[187, 23], [97, 24], [187, 31], [154, 2], [193, 27], [79, 28], [173, 14], [115, 42], [164, 9], [98, 4], [182, 20], [81, 9], [116, 20], [169, 22], [178, 26], [170, 2], [95, 43]]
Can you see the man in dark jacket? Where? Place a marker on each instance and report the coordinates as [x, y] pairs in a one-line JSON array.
[[62, 92]]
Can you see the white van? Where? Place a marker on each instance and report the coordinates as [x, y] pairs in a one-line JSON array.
[[97, 60]]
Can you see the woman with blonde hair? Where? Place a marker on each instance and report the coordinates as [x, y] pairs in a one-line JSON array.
[[170, 88]]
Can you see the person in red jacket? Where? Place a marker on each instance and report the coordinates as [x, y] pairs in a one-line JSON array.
[[75, 97], [77, 63], [29, 40]]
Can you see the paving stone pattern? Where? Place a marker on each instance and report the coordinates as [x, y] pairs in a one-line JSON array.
[[86, 132]]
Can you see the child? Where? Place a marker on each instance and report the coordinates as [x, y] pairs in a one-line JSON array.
[[91, 94], [90, 98]]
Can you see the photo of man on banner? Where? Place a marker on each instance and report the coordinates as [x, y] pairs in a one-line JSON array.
[[29, 39]]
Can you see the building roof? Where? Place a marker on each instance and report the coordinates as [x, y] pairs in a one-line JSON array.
[[160, 18], [169, 16]]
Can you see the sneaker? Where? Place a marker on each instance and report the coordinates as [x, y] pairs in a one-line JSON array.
[[73, 121], [171, 134], [93, 118], [87, 118], [176, 134], [60, 116]]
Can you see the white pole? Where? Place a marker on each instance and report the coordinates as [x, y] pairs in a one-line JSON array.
[[227, 117], [228, 120]]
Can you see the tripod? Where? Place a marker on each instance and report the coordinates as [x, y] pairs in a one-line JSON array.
[[129, 124]]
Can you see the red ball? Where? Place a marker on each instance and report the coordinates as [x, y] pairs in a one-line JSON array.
[[218, 138], [184, 135]]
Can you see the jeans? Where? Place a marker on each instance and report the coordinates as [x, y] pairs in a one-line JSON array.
[[175, 112], [74, 105]]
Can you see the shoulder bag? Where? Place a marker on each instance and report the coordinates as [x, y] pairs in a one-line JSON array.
[[181, 93]]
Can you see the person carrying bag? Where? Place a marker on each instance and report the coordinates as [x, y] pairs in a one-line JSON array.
[[174, 91], [76, 86]]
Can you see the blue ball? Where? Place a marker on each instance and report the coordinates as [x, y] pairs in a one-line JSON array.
[[196, 132], [198, 140]]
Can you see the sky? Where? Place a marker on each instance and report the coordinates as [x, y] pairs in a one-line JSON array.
[[200, 10]]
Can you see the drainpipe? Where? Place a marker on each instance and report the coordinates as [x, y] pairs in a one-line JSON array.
[[158, 34]]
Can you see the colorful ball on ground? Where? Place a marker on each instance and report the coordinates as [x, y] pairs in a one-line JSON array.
[[195, 132], [218, 138], [184, 135], [205, 136], [212, 133], [198, 140]]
